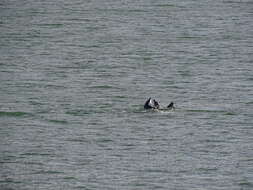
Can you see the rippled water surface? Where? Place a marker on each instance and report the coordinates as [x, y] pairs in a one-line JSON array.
[[74, 76]]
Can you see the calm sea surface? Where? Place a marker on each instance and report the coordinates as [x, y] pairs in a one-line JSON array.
[[74, 76]]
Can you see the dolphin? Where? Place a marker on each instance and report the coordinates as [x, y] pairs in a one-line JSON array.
[[171, 106], [153, 104]]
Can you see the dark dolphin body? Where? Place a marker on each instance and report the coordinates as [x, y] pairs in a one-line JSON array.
[[146, 105], [171, 106], [153, 104]]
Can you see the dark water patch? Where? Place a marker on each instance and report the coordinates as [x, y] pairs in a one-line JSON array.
[[8, 180], [33, 163], [247, 160], [208, 111], [80, 20], [105, 143], [7, 162], [22, 162], [36, 103], [102, 106], [80, 140], [207, 170], [82, 187], [104, 140], [104, 75], [49, 172], [225, 153], [13, 114], [58, 121], [178, 87], [229, 113], [78, 112], [128, 147], [94, 123], [120, 97], [147, 58], [56, 25], [164, 5], [36, 154], [69, 178], [7, 71], [119, 10], [139, 184], [189, 37], [94, 28], [91, 47], [151, 170], [206, 141], [102, 87], [8, 157], [99, 111], [54, 87], [238, 2], [246, 183]]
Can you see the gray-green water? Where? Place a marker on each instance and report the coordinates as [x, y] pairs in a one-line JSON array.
[[74, 76]]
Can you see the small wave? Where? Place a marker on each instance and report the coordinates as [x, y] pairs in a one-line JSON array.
[[78, 112], [35, 154], [58, 121], [224, 112], [207, 170], [10, 181], [164, 5], [80, 140], [69, 178], [207, 111], [49, 172], [229, 113], [102, 87], [245, 183], [12, 114]]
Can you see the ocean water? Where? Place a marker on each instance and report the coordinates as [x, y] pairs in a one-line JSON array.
[[74, 76]]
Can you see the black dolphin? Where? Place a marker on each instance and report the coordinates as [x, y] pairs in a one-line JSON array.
[[171, 106], [151, 104]]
